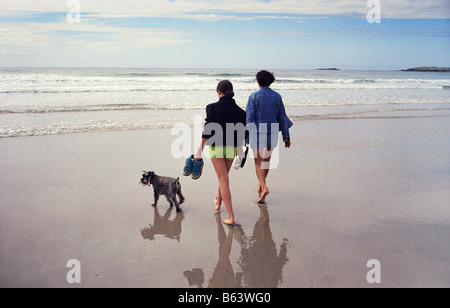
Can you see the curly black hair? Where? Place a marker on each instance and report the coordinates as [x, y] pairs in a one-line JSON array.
[[265, 78]]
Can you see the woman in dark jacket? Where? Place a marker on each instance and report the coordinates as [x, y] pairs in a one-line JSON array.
[[224, 131]]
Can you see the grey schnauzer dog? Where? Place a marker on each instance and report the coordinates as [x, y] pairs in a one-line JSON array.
[[169, 187]]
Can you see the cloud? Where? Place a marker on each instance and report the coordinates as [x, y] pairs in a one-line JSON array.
[[36, 32], [64, 38], [213, 10], [207, 17]]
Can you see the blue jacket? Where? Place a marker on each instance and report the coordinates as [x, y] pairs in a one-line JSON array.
[[266, 106]]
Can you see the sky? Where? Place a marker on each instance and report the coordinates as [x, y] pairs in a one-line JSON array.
[[241, 34]]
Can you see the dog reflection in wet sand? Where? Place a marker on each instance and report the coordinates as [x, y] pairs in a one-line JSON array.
[[162, 225]]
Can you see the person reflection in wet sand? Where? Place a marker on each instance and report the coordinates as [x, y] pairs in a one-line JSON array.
[[223, 275], [196, 277], [261, 265], [162, 225]]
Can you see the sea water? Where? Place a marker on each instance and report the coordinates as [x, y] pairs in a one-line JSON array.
[[49, 101]]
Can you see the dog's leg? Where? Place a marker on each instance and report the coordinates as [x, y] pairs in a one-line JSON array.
[[169, 199], [177, 205], [180, 195], [173, 196], [178, 191], [156, 195]]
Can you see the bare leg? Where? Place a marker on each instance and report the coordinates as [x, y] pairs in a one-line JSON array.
[[261, 173], [218, 201], [222, 168]]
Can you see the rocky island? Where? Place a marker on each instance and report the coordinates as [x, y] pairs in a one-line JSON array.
[[328, 69], [428, 69]]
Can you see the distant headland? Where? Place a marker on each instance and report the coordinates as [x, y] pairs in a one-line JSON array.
[[428, 69]]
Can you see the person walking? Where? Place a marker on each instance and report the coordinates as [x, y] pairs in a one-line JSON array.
[[224, 131], [266, 117]]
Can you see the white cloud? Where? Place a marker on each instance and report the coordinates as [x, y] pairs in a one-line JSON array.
[[212, 9], [64, 38], [207, 17], [97, 41]]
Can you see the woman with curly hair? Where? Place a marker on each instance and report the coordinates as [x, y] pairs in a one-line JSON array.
[[266, 116]]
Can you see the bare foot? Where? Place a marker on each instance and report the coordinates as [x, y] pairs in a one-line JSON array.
[[262, 198], [260, 189], [229, 222], [217, 203]]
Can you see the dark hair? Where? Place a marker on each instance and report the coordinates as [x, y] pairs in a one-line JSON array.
[[265, 78], [226, 87]]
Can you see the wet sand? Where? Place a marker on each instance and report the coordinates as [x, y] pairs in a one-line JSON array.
[[348, 191]]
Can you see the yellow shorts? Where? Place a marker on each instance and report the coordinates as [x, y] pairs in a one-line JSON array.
[[227, 152]]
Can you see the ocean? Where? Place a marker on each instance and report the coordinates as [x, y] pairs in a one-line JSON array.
[[52, 101]]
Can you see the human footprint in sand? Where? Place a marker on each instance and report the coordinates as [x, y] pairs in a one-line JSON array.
[[226, 117], [266, 116]]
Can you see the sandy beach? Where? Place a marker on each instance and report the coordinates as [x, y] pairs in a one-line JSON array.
[[348, 191]]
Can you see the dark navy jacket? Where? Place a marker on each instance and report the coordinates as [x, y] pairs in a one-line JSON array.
[[218, 115]]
